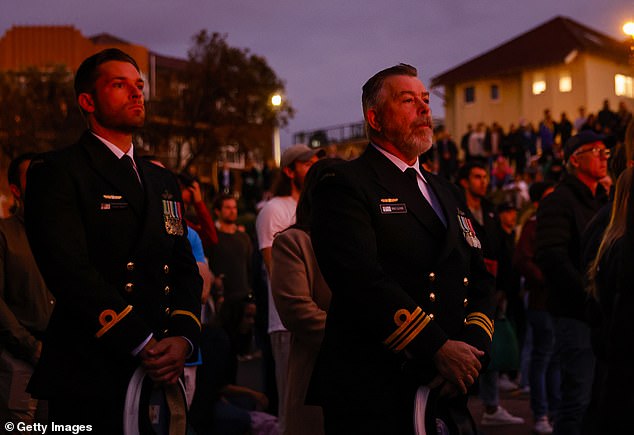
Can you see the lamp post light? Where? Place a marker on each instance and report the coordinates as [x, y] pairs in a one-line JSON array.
[[628, 29], [276, 102]]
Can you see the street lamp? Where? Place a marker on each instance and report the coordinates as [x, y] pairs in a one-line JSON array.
[[628, 29], [276, 102]]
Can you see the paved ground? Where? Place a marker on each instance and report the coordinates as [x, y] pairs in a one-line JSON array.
[[516, 404], [249, 373]]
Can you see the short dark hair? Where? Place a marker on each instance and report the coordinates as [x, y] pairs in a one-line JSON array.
[[13, 174], [372, 88], [86, 75], [220, 199], [305, 204], [465, 170], [537, 189], [185, 179]]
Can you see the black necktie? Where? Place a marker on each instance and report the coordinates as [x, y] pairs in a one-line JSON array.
[[413, 176], [131, 178], [127, 162]]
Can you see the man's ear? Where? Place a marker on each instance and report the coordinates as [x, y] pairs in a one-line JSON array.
[[573, 161], [15, 191], [86, 102], [373, 119], [289, 172]]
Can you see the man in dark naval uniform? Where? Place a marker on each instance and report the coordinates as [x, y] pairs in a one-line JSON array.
[[412, 301], [107, 232]]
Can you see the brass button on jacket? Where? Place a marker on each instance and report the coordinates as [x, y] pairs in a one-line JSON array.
[[130, 266], [167, 290], [166, 269], [129, 287]]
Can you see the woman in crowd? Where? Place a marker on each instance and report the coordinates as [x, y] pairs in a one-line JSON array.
[[302, 298], [611, 309]]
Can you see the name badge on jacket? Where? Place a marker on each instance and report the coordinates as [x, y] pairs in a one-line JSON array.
[[393, 208], [173, 218]]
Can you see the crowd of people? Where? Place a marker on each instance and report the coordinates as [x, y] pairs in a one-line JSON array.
[[543, 250], [379, 293]]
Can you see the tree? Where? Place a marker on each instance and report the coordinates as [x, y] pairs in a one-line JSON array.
[[226, 94], [39, 111]]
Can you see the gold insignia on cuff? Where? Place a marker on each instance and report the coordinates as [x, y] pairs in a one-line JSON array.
[[389, 199], [109, 318], [481, 320], [409, 326], [112, 197], [186, 313]]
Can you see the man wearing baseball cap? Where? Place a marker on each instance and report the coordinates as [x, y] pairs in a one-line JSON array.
[[561, 219], [277, 215], [300, 153]]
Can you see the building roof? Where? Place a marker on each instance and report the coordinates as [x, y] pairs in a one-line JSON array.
[[108, 39], [554, 42], [169, 62]]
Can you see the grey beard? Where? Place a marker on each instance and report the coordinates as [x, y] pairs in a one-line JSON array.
[[414, 145]]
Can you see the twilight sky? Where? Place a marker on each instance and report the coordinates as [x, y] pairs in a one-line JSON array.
[[324, 49]]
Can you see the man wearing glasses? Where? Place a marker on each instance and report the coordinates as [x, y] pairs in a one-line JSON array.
[[561, 219]]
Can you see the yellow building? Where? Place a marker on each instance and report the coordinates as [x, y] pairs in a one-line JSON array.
[[559, 65]]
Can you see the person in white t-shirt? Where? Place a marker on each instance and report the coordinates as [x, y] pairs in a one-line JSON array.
[[277, 215]]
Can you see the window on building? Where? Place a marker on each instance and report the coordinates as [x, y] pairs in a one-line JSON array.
[[623, 86], [565, 82], [495, 92], [469, 94], [539, 84]]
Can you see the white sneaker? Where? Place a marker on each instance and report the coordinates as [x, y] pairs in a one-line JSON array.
[[543, 426], [500, 417], [505, 384]]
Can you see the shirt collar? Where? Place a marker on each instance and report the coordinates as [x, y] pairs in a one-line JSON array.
[[116, 150], [400, 164]]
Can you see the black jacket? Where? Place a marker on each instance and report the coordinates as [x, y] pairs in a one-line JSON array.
[[117, 271], [402, 284], [561, 220], [612, 400]]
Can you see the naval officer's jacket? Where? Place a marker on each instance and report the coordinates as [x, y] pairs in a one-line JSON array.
[[402, 284], [117, 261]]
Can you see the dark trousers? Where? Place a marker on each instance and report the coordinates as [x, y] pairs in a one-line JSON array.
[[576, 358], [104, 416]]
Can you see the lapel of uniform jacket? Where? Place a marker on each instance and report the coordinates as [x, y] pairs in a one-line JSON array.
[[153, 205], [396, 182], [109, 167], [449, 206]]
